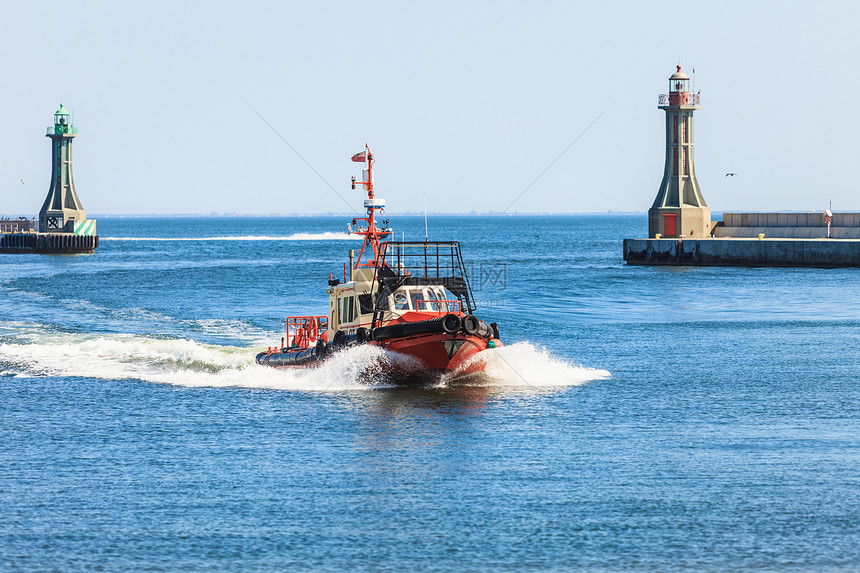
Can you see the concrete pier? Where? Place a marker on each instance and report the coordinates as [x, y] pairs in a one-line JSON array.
[[59, 243], [759, 239], [766, 252]]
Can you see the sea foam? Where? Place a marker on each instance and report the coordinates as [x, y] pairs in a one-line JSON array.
[[522, 364], [186, 362]]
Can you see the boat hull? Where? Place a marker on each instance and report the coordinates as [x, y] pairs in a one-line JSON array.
[[428, 357], [440, 352]]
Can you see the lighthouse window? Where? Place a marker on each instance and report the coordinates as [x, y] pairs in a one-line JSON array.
[[674, 129]]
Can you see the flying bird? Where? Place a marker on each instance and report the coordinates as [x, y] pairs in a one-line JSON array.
[[732, 174], [22, 181]]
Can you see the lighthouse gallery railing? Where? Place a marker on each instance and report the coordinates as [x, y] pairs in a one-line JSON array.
[[691, 99]]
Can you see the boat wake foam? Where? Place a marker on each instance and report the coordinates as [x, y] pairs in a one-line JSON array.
[[183, 362], [188, 363], [523, 365], [326, 236]]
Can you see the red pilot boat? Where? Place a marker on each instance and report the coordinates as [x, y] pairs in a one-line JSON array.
[[411, 298]]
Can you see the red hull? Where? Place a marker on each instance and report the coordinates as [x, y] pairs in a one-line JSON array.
[[433, 355], [440, 353]]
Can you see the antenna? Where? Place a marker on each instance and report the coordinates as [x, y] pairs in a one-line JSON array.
[[426, 234]]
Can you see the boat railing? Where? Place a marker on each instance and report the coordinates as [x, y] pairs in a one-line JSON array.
[[302, 331], [426, 262], [438, 259], [441, 306], [414, 263]]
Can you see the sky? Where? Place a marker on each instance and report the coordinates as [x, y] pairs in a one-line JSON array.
[[548, 106]]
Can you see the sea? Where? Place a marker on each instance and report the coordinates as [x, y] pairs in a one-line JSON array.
[[636, 418]]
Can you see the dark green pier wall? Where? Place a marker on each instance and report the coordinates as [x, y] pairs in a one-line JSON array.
[[47, 243], [744, 252]]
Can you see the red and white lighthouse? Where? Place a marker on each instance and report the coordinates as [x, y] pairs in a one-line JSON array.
[[679, 209]]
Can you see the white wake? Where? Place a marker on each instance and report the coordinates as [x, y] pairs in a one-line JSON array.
[[522, 364], [189, 363]]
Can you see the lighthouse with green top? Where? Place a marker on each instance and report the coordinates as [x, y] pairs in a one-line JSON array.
[[62, 211], [63, 224]]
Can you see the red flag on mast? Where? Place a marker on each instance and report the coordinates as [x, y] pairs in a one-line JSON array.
[[360, 157]]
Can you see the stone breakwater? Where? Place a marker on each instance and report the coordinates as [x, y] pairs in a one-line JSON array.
[[744, 252], [759, 239], [60, 243]]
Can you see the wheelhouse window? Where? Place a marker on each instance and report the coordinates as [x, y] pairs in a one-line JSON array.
[[346, 309], [430, 299], [365, 303], [401, 301], [431, 296], [437, 300], [444, 306], [418, 299]]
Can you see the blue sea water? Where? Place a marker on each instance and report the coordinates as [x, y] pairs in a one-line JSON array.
[[638, 418]]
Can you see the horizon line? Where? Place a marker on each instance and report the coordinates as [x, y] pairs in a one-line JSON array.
[[351, 215]]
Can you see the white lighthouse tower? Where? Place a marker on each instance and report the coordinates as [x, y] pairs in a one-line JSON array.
[[679, 209]]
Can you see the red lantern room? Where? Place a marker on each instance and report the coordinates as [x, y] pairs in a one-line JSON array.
[[679, 88]]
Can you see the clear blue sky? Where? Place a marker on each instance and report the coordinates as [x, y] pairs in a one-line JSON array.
[[466, 101]]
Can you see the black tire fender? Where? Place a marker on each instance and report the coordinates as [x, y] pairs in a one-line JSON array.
[[451, 323], [471, 324], [322, 349], [339, 339]]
